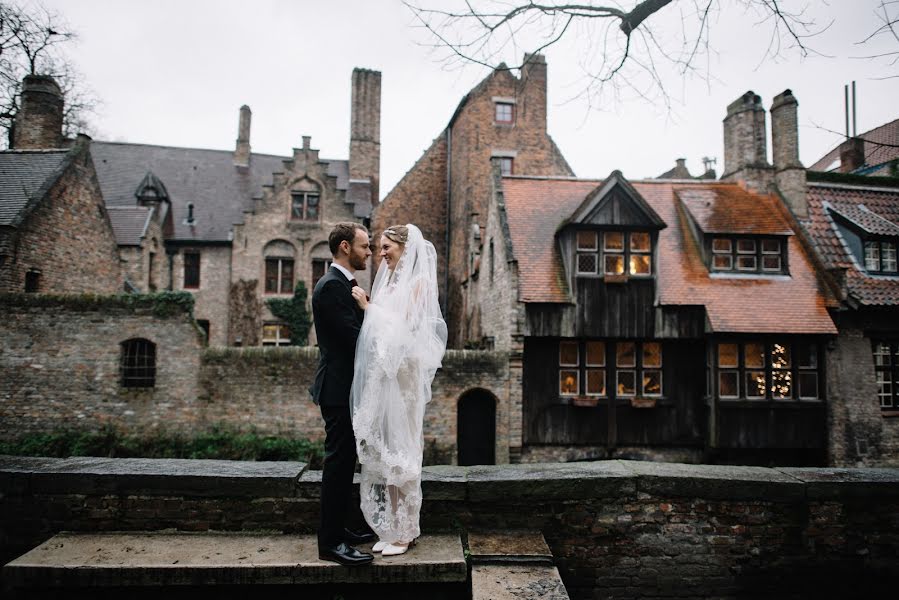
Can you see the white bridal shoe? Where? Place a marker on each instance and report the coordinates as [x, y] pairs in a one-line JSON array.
[[396, 549], [379, 546]]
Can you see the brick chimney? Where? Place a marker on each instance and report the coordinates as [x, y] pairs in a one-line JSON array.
[[365, 129], [852, 154], [532, 109], [789, 174], [38, 123], [242, 149], [745, 142]]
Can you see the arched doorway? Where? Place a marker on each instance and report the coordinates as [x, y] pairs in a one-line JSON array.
[[476, 428]]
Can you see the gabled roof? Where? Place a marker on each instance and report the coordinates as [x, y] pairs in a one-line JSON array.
[[600, 198], [129, 223], [733, 210], [795, 304], [881, 146], [826, 199], [208, 179], [864, 219], [151, 186], [25, 176]]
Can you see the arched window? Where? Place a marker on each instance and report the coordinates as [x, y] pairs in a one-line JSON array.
[[279, 272], [138, 363], [304, 201]]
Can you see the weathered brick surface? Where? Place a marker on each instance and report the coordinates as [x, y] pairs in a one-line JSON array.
[[616, 529], [215, 285], [67, 237], [470, 140], [60, 369], [420, 198], [860, 435]]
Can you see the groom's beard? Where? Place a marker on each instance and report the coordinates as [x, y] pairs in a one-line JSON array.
[[357, 262]]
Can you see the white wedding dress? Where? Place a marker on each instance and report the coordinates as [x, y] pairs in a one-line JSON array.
[[400, 348]]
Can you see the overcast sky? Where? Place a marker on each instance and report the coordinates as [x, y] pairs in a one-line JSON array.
[[175, 72]]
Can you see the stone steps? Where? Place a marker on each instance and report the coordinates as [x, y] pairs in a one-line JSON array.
[[513, 565], [171, 559]]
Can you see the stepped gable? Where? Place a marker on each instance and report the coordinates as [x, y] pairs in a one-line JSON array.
[[536, 207], [208, 179], [872, 210], [24, 176]]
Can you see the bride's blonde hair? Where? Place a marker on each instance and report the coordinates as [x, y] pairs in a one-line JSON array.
[[397, 233]]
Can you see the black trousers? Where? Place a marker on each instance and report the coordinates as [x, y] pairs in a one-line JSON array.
[[337, 474]]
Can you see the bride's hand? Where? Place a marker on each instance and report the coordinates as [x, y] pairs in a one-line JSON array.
[[360, 297]]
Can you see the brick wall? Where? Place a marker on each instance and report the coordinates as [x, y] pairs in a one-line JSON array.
[[616, 529], [59, 368], [215, 284], [860, 435], [67, 237], [473, 139], [60, 365], [420, 198]]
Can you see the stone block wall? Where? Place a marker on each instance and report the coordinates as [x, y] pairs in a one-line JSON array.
[[60, 362], [67, 237], [616, 529]]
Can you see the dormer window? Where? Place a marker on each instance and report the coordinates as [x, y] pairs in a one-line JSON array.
[[615, 252], [748, 255], [880, 256]]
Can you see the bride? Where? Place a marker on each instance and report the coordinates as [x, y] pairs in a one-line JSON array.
[[400, 348]]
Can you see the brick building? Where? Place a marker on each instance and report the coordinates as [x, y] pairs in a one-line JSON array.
[[873, 153], [233, 228], [55, 232], [446, 192], [696, 319]]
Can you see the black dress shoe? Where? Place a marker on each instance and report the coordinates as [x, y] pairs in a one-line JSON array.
[[345, 555], [358, 537]]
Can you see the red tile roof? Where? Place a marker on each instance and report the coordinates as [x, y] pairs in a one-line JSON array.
[[871, 290], [536, 206], [732, 209], [881, 146]]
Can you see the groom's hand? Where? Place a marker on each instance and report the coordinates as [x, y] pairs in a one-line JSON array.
[[360, 296]]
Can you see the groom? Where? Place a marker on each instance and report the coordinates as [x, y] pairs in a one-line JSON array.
[[337, 322]]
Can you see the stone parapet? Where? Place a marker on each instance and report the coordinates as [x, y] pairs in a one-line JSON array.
[[615, 528]]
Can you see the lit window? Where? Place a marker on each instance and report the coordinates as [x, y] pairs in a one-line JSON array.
[[279, 276], [505, 112], [304, 206], [635, 366], [568, 376], [137, 364], [613, 252], [275, 334], [622, 253], [768, 370]]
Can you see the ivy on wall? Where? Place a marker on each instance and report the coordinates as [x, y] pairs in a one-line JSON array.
[[294, 314]]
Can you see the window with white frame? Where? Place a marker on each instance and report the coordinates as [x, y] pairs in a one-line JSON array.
[[586, 366], [886, 372], [275, 334], [748, 255], [880, 256]]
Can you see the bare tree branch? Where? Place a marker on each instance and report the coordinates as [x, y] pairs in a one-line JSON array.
[[31, 43], [630, 56]]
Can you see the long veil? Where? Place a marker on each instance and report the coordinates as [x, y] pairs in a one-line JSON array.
[[399, 350]]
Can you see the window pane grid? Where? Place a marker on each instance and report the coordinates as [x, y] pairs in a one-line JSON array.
[[758, 371], [886, 366], [138, 363], [634, 365]]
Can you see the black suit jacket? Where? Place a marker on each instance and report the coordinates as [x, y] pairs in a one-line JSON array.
[[337, 322]]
